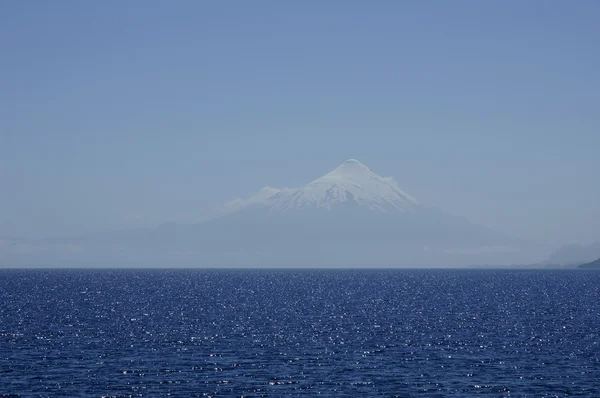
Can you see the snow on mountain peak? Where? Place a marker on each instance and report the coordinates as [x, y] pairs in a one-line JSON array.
[[351, 181]]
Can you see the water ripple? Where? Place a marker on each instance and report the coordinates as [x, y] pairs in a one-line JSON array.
[[132, 333]]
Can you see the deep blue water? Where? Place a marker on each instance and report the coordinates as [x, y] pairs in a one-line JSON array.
[[299, 332]]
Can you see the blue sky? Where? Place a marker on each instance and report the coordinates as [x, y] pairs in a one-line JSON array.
[[128, 114]]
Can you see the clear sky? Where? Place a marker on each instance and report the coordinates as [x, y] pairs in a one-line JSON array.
[[123, 114]]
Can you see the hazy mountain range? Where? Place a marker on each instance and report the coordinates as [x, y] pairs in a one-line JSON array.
[[574, 254], [592, 264], [349, 217]]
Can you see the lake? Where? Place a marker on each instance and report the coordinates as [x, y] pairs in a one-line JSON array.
[[130, 333]]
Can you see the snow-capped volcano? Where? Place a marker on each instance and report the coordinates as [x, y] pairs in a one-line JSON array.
[[350, 217], [351, 182]]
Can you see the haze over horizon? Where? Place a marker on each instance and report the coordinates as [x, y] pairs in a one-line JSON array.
[[116, 116]]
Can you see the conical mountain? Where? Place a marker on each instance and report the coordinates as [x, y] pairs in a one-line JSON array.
[[348, 217], [352, 183]]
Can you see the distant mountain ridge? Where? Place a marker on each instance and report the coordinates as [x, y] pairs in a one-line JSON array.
[[349, 217], [594, 264], [575, 254]]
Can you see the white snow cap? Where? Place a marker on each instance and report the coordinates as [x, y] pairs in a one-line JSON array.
[[351, 181]]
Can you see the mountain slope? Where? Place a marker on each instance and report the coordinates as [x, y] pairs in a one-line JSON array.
[[592, 265], [575, 254]]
